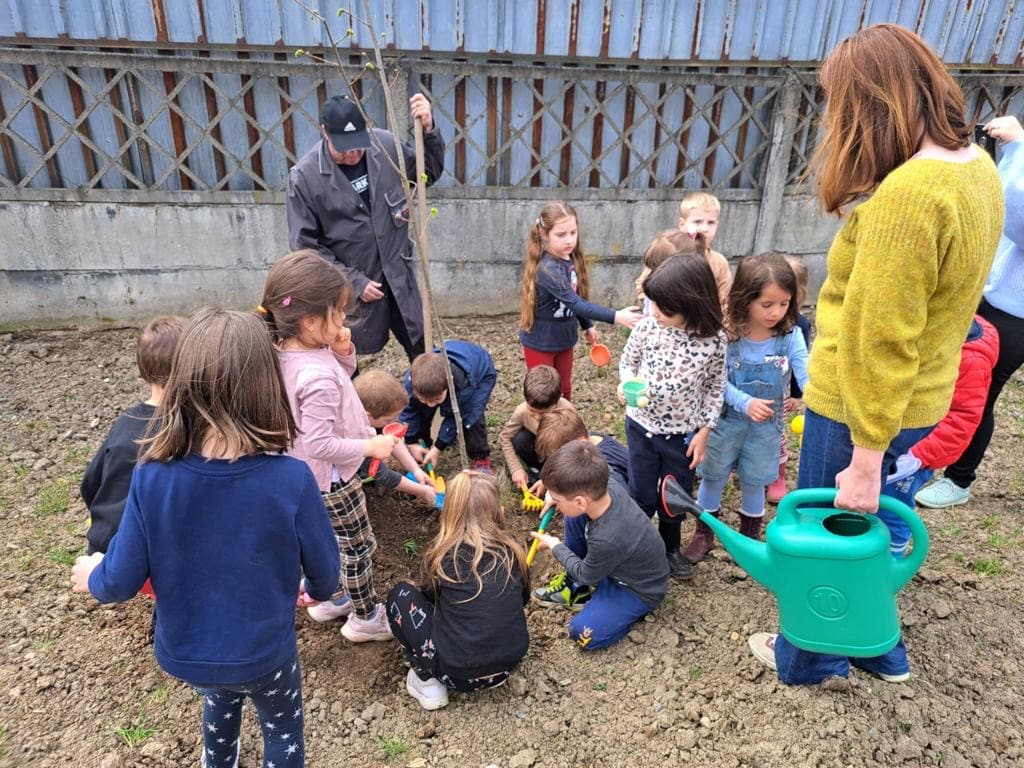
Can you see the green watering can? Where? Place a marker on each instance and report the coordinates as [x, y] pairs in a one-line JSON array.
[[830, 571]]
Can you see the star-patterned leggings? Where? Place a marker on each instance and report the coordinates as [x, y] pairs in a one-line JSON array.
[[278, 701], [411, 615]]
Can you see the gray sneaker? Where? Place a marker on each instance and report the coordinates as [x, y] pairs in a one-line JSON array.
[[943, 493]]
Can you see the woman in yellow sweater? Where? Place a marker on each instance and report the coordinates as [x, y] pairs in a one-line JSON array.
[[905, 274]]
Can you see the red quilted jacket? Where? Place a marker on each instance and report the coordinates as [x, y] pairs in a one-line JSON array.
[[953, 434]]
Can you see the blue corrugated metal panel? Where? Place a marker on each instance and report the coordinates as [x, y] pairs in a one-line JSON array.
[[963, 31]]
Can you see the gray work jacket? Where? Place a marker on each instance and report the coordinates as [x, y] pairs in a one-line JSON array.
[[327, 215]]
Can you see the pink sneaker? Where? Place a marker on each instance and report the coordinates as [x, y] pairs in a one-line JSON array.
[[375, 627], [777, 489]]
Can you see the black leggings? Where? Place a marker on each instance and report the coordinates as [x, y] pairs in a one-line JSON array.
[[1011, 357], [411, 616]]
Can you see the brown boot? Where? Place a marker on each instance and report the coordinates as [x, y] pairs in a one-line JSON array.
[[702, 542], [750, 526]]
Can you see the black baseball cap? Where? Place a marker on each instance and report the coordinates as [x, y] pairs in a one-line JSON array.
[[341, 119]]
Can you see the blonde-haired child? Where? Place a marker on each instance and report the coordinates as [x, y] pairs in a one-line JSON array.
[[556, 288], [464, 628], [699, 214]]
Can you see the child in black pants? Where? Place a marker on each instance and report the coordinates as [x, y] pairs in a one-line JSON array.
[[464, 627]]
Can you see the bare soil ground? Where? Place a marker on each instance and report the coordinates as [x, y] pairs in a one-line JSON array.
[[78, 684]]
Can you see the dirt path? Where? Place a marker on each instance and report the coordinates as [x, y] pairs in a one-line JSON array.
[[78, 684]]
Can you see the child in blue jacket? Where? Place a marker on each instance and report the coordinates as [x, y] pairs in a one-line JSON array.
[[474, 376]]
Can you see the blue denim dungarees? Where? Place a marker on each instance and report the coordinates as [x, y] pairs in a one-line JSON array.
[[749, 447]]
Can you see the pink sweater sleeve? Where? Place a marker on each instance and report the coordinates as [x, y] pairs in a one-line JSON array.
[[321, 420]]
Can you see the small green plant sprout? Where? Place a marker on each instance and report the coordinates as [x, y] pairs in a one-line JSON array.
[[133, 735], [601, 686], [411, 547], [694, 673], [62, 556], [998, 539], [392, 747], [53, 498], [990, 521], [160, 693], [988, 566]]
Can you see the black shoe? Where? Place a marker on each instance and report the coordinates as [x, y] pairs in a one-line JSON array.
[[677, 565]]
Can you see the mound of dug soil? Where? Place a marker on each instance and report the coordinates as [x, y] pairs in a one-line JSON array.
[[78, 684]]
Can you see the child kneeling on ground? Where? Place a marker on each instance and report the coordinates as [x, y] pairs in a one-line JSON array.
[[464, 629], [622, 555]]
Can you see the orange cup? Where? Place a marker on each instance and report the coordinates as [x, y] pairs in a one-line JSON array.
[[600, 355]]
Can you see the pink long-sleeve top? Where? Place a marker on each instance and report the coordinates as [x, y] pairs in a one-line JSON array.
[[332, 423]]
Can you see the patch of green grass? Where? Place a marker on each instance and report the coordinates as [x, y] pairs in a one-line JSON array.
[[53, 498], [392, 747], [958, 557], [25, 562], [136, 733], [1017, 484], [905, 726], [160, 693], [61, 555], [43, 646], [998, 539], [494, 421], [411, 547], [694, 673], [988, 566], [990, 521], [602, 686], [952, 531]]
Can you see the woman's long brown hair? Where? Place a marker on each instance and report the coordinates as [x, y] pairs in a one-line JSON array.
[[225, 385], [474, 521], [885, 90], [551, 214]]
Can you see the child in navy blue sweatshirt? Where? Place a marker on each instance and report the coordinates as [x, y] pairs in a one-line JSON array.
[[224, 527], [474, 376]]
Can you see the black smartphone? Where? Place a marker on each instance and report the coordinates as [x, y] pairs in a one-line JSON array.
[[983, 140]]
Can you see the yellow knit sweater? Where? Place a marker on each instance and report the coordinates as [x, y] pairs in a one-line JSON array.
[[905, 275]]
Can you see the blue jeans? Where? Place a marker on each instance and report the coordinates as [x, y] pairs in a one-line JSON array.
[[607, 616], [826, 451]]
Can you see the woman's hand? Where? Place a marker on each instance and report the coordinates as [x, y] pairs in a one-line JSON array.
[[1006, 128], [698, 445], [860, 484], [628, 317], [760, 410], [81, 570]]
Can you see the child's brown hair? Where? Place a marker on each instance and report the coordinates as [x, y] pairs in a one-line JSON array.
[[427, 376], [673, 242], [753, 274], [472, 520], [550, 214], [799, 268], [542, 387], [576, 469], [557, 428], [225, 385], [154, 351], [303, 283], [380, 393]]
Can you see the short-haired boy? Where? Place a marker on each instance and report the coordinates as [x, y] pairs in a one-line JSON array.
[[105, 484], [384, 398], [474, 376], [555, 430], [622, 556], [542, 394], [700, 213]]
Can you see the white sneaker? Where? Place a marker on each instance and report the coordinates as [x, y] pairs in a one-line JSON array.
[[330, 609], [943, 493], [431, 694], [376, 627], [762, 645]]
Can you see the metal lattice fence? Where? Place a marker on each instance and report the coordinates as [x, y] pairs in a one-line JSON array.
[[218, 122]]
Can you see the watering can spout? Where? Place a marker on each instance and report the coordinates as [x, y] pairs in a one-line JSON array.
[[751, 555]]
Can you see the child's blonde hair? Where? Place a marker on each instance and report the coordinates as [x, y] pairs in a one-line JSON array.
[[551, 214], [473, 520], [799, 268], [695, 200], [225, 383]]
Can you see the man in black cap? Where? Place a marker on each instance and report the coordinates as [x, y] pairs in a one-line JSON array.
[[346, 201]]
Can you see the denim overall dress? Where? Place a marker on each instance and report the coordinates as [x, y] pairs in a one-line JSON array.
[[750, 447]]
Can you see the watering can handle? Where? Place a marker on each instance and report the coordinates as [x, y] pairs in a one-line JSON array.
[[903, 569]]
